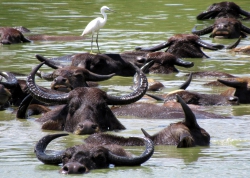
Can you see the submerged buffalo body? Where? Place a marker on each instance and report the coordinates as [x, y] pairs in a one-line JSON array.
[[81, 159], [13, 35], [202, 99], [183, 134]]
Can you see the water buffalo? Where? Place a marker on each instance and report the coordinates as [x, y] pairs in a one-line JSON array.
[[156, 111], [170, 109], [81, 159], [240, 88], [202, 99], [119, 64], [223, 9], [184, 46], [224, 28], [196, 98], [12, 35], [70, 77], [212, 74], [9, 35], [65, 80], [183, 134], [16, 87], [83, 110]]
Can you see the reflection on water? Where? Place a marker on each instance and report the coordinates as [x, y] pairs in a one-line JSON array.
[[135, 23]]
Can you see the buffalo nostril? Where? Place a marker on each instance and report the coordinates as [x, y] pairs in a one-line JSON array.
[[81, 170], [73, 168], [94, 126], [64, 80], [65, 170]]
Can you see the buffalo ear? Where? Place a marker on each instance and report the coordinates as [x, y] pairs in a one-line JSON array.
[[186, 140], [53, 125]]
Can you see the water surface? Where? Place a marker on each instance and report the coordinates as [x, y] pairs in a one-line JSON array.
[[135, 23]]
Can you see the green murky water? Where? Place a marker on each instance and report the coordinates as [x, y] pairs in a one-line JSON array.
[[135, 23]]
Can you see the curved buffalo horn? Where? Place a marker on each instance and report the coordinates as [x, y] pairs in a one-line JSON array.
[[187, 82], [144, 69], [190, 119], [11, 80], [124, 161], [154, 48], [232, 83], [203, 31], [41, 95], [245, 29], [209, 46], [234, 45], [244, 13], [207, 15], [157, 98], [41, 147], [21, 112], [147, 66], [182, 63], [140, 90], [48, 62]]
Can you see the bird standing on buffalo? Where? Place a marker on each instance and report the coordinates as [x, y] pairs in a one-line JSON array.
[[95, 25]]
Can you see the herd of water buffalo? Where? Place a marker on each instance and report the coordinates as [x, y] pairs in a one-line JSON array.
[[74, 104]]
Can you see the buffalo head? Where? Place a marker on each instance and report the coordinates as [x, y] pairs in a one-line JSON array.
[[240, 88], [83, 158], [223, 9], [224, 28], [184, 46], [10, 35], [69, 77]]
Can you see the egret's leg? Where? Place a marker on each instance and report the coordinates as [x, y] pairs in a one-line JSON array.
[[92, 43], [97, 42]]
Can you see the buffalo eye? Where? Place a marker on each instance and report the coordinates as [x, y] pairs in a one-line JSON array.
[[65, 158], [72, 110], [99, 159]]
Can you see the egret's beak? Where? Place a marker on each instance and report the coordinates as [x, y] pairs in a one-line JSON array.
[[111, 10]]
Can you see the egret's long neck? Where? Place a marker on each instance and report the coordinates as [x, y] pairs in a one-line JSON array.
[[104, 15]]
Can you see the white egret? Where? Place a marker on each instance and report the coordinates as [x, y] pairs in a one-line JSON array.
[[95, 26]]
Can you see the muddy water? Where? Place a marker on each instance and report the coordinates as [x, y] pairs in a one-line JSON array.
[[135, 23]]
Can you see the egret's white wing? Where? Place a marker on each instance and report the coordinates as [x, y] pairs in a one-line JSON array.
[[93, 26]]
